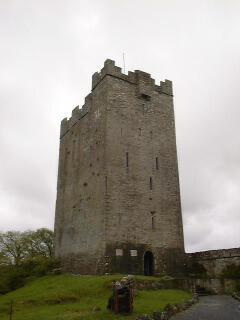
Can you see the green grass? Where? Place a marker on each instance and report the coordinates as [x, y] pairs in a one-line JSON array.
[[71, 298]]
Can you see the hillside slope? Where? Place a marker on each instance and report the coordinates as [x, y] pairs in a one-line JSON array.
[[72, 297]]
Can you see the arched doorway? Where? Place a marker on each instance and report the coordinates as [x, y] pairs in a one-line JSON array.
[[148, 263]]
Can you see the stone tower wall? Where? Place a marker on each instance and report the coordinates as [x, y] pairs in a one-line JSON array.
[[118, 188], [79, 220]]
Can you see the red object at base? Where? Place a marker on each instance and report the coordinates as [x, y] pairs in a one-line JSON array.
[[122, 300], [116, 306], [130, 300]]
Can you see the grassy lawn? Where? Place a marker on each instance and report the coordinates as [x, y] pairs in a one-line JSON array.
[[70, 297]]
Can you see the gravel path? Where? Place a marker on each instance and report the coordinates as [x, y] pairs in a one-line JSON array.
[[212, 308]]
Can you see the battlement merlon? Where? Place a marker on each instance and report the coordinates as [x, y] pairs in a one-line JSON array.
[[77, 114], [142, 79], [145, 87]]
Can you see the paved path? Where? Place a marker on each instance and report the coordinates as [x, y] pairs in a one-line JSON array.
[[212, 308]]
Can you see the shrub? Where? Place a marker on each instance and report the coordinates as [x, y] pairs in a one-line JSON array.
[[13, 277], [39, 266]]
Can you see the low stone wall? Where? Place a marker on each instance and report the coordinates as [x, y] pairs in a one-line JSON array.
[[169, 310], [214, 286], [183, 284], [218, 286]]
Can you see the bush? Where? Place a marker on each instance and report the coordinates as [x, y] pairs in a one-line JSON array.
[[13, 277], [23, 255], [39, 266]]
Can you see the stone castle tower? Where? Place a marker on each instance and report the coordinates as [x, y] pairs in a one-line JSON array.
[[118, 206]]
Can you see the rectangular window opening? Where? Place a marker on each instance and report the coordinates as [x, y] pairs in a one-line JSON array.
[[153, 220], [139, 131], [106, 184], [150, 183], [127, 159], [153, 223], [156, 163]]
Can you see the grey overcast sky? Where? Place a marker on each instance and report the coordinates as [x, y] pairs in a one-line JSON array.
[[49, 50]]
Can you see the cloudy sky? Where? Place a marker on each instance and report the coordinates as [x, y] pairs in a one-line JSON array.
[[49, 50]]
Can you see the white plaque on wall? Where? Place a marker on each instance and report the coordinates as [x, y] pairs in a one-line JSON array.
[[119, 252], [133, 253]]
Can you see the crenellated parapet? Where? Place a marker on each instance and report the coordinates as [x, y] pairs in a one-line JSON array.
[[145, 88], [77, 114], [146, 85]]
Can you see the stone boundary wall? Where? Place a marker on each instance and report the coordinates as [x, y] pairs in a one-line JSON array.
[[218, 286], [215, 261], [214, 286], [215, 254], [182, 284]]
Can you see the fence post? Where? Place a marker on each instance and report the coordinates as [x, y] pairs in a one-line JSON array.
[[11, 309]]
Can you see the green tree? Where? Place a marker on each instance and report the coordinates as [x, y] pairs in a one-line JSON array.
[[4, 260], [12, 246], [25, 254], [16, 246], [39, 243]]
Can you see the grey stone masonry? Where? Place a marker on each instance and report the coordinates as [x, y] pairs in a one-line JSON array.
[[118, 203], [214, 261]]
